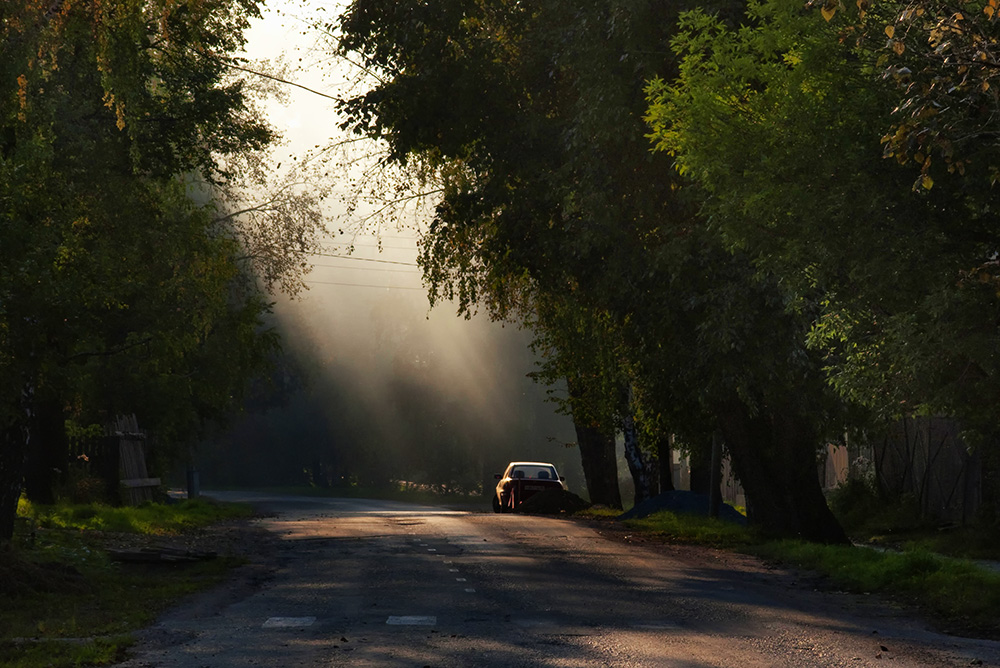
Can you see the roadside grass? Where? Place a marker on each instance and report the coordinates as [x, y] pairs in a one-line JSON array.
[[959, 595], [398, 492], [64, 602], [149, 518], [901, 525], [599, 512], [688, 528], [98, 652], [969, 542]]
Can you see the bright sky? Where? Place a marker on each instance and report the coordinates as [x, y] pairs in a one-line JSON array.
[[309, 121], [351, 300]]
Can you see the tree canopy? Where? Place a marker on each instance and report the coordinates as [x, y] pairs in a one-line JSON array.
[[123, 288], [553, 209], [792, 127]]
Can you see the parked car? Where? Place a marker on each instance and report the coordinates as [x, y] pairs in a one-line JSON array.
[[523, 480]]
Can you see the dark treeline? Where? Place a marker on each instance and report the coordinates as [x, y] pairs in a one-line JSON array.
[[364, 401], [127, 285]]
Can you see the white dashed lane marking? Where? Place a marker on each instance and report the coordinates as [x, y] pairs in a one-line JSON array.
[[405, 620]]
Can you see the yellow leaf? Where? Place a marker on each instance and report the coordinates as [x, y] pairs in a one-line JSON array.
[[792, 58], [890, 31], [989, 10], [986, 86], [927, 182], [828, 12], [898, 47]]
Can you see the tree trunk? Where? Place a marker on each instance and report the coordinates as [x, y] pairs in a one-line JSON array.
[[665, 457], [48, 454], [642, 465], [13, 439], [600, 465], [597, 455], [774, 455], [700, 461]]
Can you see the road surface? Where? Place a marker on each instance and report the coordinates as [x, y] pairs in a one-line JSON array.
[[381, 584]]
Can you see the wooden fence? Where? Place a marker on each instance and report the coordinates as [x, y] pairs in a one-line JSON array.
[[118, 459], [925, 459]]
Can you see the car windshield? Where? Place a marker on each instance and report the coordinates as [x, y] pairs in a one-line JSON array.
[[534, 472]]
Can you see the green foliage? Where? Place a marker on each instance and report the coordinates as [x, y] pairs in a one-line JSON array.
[[855, 503], [779, 124], [122, 290], [958, 592], [898, 524], [688, 528], [599, 512], [57, 654], [936, 59], [149, 518], [554, 212], [59, 585]]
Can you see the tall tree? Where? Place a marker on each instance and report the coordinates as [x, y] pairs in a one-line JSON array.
[[785, 125], [118, 290], [532, 120]]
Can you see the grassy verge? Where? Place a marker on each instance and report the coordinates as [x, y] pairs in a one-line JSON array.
[[684, 528], [959, 595], [394, 493], [900, 525], [64, 602]]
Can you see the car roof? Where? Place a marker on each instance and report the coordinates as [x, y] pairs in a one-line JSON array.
[[530, 464]]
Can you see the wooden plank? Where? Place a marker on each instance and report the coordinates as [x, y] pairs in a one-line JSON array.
[[141, 482]]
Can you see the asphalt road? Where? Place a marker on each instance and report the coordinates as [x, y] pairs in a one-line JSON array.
[[382, 584]]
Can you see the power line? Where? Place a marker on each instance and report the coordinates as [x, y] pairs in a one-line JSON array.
[[363, 259], [381, 246], [363, 285], [384, 271]]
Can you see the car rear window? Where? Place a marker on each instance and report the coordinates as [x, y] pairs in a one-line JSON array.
[[534, 472]]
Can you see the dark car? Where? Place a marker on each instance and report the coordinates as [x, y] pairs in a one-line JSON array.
[[523, 480]]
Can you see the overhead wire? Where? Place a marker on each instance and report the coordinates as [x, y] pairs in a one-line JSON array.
[[363, 285], [362, 259]]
